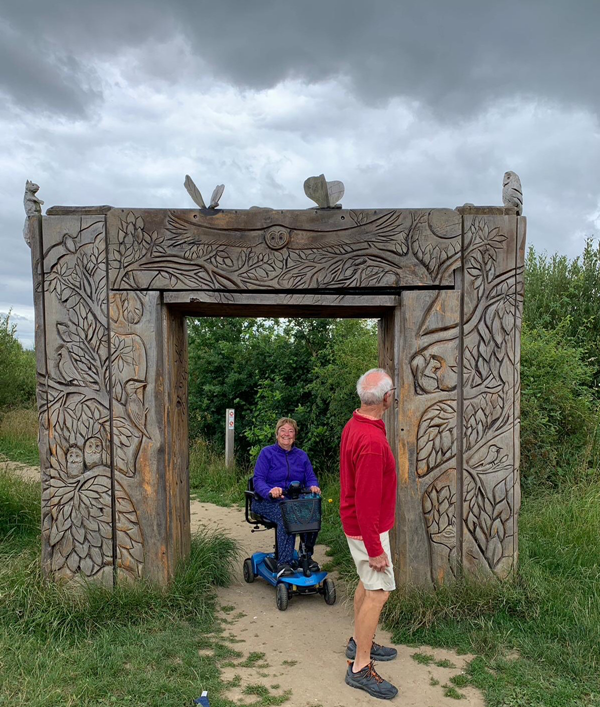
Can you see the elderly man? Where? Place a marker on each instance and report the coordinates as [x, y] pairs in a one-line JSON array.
[[368, 510]]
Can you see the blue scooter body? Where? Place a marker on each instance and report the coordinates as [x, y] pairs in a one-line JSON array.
[[298, 579]]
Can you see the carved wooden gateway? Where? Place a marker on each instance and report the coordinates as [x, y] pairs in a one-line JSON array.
[[113, 287]]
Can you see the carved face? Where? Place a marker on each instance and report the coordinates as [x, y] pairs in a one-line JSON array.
[[30, 186], [93, 452], [74, 462]]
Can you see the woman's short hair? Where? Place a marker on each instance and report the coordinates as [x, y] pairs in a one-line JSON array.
[[373, 393], [286, 421]]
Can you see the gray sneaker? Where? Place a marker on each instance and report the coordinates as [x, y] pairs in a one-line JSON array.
[[381, 653], [368, 680]]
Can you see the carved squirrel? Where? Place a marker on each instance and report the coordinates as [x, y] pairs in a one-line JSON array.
[[33, 206]]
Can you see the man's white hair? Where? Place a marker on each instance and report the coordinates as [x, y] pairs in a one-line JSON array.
[[372, 388]]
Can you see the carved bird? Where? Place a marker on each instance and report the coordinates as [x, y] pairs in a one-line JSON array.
[[92, 452], [66, 366], [512, 193], [135, 408], [197, 198], [325, 194], [74, 462]]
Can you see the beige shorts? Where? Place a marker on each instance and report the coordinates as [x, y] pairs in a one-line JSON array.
[[370, 578]]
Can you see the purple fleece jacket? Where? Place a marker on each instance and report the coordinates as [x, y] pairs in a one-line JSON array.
[[276, 467]]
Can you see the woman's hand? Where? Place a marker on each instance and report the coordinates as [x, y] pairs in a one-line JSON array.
[[276, 492], [315, 489]]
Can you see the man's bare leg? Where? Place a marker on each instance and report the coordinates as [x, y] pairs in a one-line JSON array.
[[365, 625], [359, 597]]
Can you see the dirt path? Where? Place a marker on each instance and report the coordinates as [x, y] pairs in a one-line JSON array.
[[304, 646], [29, 473]]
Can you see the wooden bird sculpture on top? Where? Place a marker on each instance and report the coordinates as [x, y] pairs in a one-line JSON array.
[[194, 192], [512, 193]]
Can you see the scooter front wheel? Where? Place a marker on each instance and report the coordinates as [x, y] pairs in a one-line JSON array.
[[282, 596]]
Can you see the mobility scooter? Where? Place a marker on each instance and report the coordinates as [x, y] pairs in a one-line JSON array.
[[301, 511]]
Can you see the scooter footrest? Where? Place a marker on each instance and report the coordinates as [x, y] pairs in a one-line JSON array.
[[271, 564]]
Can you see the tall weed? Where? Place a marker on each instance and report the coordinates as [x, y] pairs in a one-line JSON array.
[[18, 435], [211, 479]]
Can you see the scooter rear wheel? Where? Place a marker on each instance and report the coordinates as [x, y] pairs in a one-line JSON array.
[[249, 575], [282, 596]]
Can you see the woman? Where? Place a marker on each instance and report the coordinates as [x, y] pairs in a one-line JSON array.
[[276, 467]]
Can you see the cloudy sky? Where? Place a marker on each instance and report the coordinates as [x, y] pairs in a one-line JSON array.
[[410, 104]]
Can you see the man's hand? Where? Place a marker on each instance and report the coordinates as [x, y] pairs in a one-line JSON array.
[[379, 563], [315, 489], [276, 492]]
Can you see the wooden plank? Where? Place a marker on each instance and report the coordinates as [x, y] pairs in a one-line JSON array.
[[34, 226], [177, 490], [520, 270], [77, 502], [139, 449], [320, 249], [489, 318], [427, 413], [236, 304]]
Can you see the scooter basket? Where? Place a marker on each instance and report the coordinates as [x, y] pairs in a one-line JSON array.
[[301, 515]]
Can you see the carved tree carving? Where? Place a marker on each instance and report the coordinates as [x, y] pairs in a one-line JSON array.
[[79, 492]]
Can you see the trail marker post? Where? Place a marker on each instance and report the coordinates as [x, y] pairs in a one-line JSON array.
[[229, 432]]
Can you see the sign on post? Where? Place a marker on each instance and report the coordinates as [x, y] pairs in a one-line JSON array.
[[229, 432]]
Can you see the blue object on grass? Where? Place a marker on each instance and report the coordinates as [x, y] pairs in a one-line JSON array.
[[202, 700]]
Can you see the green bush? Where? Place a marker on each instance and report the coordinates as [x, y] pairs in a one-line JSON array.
[[17, 368], [566, 293], [559, 417]]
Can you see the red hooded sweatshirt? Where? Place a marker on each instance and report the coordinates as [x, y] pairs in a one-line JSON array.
[[368, 482]]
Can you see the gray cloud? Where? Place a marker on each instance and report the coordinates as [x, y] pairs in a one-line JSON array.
[[452, 57], [417, 106], [36, 75]]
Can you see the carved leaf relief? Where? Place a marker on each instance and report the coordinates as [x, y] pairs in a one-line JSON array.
[[436, 437], [487, 517]]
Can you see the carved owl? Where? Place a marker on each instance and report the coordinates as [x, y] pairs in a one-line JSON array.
[[74, 462], [92, 452], [512, 193]]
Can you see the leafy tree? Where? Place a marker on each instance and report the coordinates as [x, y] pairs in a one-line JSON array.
[[566, 293], [266, 369], [559, 417], [17, 367]]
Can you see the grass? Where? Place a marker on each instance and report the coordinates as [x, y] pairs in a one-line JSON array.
[[137, 644], [18, 436], [211, 480], [538, 636]]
